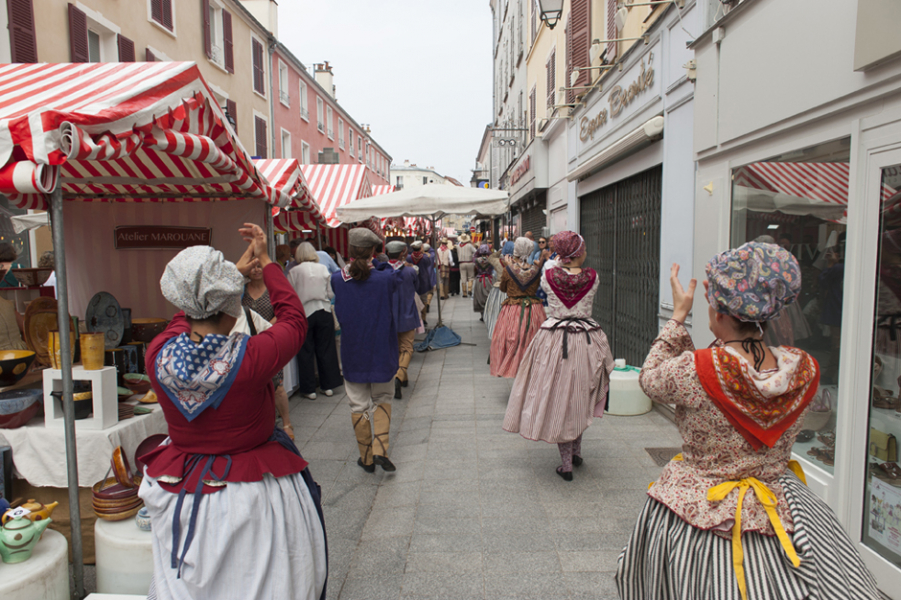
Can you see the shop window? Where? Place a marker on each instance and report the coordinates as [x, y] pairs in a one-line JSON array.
[[882, 499], [799, 200]]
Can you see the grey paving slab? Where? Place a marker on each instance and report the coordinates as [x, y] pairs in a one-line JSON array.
[[473, 512]]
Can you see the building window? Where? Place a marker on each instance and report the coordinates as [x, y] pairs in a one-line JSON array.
[[350, 141], [320, 124], [425, 180], [304, 102], [305, 153], [359, 148], [218, 44], [260, 132], [286, 144], [341, 133], [283, 96], [161, 13], [93, 47], [93, 38], [331, 131], [259, 68]]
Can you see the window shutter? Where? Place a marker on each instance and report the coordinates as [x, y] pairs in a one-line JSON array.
[[126, 48], [533, 106], [167, 14], [22, 38], [534, 20], [568, 68], [156, 11], [148, 55], [579, 44], [258, 79], [260, 137], [207, 36], [232, 110], [78, 35], [611, 31], [229, 48], [552, 81]]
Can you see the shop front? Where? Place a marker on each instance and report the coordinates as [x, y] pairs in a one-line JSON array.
[[818, 171], [526, 180]]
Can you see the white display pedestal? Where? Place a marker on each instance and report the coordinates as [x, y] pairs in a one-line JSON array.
[[106, 399], [44, 576], [124, 556], [626, 397]]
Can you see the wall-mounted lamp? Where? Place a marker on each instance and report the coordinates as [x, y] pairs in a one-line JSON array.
[[551, 11]]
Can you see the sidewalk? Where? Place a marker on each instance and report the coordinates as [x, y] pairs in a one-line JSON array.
[[473, 511]]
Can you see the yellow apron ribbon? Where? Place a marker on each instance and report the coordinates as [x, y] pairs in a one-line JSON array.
[[768, 500]]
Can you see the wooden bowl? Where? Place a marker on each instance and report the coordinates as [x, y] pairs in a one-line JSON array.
[[114, 490], [137, 383], [144, 329], [112, 506], [119, 516], [17, 407], [121, 468], [32, 277], [14, 365]]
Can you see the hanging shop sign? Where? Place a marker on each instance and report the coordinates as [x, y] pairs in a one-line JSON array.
[[618, 98], [521, 170], [131, 237]]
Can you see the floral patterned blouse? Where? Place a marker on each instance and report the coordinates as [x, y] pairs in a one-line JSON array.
[[713, 450]]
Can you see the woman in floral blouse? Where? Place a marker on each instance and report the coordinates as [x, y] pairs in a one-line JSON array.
[[729, 518]]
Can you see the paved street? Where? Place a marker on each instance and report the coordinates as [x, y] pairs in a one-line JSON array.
[[473, 511]]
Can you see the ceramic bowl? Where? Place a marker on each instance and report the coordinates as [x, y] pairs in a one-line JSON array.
[[121, 508], [149, 443], [110, 489], [144, 330], [142, 519], [13, 365], [112, 505], [32, 277], [120, 516], [137, 383], [17, 407]]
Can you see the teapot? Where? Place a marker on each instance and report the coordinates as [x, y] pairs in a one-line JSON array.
[[19, 537], [39, 512]]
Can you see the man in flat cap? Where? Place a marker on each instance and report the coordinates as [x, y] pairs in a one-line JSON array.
[[424, 278], [366, 307], [407, 313], [465, 252]]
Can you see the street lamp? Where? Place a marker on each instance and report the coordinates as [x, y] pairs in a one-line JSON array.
[[551, 11]]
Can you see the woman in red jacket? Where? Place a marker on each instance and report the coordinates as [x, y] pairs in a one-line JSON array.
[[235, 511]]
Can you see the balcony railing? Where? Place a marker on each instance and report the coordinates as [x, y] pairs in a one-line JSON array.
[[285, 98], [305, 114]]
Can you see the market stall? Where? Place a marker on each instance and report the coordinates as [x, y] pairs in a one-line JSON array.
[[134, 161]]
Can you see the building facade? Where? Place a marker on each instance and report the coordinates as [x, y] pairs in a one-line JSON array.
[[811, 156]]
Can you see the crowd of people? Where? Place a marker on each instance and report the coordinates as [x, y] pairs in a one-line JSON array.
[[728, 518]]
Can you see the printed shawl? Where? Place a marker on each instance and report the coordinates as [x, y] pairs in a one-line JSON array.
[[570, 288], [523, 275], [760, 419]]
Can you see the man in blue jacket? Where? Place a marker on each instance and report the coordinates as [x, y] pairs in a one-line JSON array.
[[407, 313], [424, 278]]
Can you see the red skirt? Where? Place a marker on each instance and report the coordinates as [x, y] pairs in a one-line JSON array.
[[515, 328]]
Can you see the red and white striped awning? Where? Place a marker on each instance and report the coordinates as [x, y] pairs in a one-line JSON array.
[[378, 190], [337, 185], [285, 175], [410, 225], [119, 132]]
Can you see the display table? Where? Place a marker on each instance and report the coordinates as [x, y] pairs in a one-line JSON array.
[[124, 557], [44, 576], [114, 597]]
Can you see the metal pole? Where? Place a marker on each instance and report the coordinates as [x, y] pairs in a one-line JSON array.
[[438, 295], [270, 229], [319, 235], [62, 319]]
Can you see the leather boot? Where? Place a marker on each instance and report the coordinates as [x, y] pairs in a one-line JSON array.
[[381, 425], [363, 431]]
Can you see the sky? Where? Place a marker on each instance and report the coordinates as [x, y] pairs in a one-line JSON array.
[[417, 71]]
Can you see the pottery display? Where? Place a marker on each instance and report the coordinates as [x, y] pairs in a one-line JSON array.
[[144, 329], [14, 365], [121, 468], [33, 276], [40, 318], [93, 347], [140, 349], [81, 400], [150, 443], [112, 501], [137, 383], [126, 332], [104, 315], [39, 511], [54, 347], [17, 407], [150, 398], [126, 411], [132, 356], [142, 519], [18, 537]]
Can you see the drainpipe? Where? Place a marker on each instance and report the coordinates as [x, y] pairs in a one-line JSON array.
[[270, 225]]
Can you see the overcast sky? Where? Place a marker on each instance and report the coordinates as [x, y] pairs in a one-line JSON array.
[[417, 71]]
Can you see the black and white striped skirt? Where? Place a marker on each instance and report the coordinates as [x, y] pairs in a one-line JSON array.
[[668, 559]]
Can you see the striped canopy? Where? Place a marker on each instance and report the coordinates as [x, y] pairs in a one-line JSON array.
[[120, 132], [285, 175], [336, 185]]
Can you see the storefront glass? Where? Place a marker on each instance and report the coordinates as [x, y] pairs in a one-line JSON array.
[[882, 501], [799, 200]]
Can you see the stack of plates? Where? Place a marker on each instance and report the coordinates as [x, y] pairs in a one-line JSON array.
[[114, 502]]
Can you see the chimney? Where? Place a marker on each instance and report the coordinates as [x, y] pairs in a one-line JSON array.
[[324, 77], [406, 163], [264, 11], [328, 156]]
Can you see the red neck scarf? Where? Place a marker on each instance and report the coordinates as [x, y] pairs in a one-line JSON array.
[[760, 420], [570, 288]]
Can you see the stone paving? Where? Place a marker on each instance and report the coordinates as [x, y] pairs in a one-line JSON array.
[[473, 511]]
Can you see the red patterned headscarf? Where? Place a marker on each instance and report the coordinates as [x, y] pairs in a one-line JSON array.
[[568, 245]]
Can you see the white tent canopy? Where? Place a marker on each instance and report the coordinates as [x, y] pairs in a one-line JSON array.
[[431, 200]]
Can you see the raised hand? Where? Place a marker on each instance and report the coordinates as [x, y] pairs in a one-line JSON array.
[[682, 299], [247, 261], [256, 237]]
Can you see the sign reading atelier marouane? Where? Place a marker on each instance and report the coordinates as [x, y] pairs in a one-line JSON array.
[[130, 237]]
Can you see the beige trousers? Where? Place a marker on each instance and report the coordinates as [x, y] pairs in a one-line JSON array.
[[364, 397], [467, 274], [405, 345]]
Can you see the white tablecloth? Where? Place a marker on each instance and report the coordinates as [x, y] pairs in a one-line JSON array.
[[39, 453]]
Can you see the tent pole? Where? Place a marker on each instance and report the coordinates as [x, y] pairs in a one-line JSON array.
[[438, 272], [319, 235], [65, 343], [270, 230]]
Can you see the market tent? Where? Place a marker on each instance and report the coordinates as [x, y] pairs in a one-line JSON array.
[[285, 175], [120, 134], [432, 200], [409, 225]]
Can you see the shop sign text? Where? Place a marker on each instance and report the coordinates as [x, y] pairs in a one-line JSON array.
[[130, 237], [521, 170], [619, 99]]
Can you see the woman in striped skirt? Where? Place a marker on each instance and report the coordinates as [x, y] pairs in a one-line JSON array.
[[731, 517], [495, 296], [563, 378], [521, 314]]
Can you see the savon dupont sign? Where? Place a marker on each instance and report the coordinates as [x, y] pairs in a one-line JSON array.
[[156, 237]]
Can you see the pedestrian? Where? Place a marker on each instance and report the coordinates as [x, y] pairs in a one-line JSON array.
[[484, 280], [731, 517], [366, 305], [333, 254], [445, 262], [423, 285], [433, 271], [497, 296], [283, 255], [236, 513], [312, 282], [563, 378], [326, 259], [454, 271], [259, 315], [407, 313], [11, 321], [292, 247], [521, 315], [466, 252]]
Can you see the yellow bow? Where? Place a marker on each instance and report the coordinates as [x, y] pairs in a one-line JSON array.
[[768, 500]]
